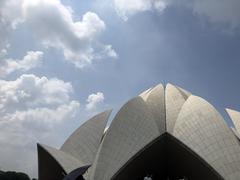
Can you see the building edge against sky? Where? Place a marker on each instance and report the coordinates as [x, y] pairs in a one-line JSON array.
[[160, 125]]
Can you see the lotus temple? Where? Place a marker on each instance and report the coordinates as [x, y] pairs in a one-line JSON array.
[[165, 132]]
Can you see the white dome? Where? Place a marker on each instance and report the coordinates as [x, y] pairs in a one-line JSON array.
[[158, 111]]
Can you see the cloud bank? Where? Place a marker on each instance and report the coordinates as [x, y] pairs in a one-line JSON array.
[[31, 109]]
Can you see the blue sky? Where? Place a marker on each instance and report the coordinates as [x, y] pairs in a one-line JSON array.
[[63, 61]]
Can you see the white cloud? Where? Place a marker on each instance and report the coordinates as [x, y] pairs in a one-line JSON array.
[[43, 117], [126, 8], [31, 110], [4, 24], [3, 53], [35, 109], [94, 100], [108, 50], [224, 12], [31, 60], [10, 16], [31, 91], [53, 24]]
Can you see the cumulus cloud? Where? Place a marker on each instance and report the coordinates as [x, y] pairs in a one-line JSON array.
[[31, 109], [53, 24], [31, 91], [31, 60], [94, 100]]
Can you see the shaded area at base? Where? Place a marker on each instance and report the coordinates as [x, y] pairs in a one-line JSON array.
[[48, 167], [165, 158]]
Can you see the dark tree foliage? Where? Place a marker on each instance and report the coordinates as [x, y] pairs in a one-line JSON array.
[[11, 175]]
